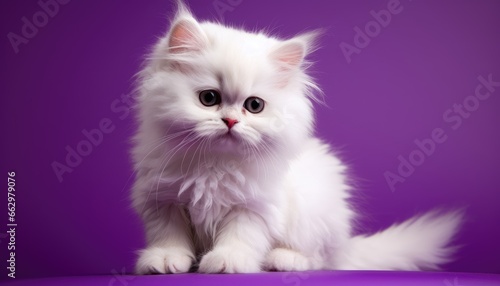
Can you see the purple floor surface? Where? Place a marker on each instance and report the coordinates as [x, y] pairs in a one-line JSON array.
[[337, 278]]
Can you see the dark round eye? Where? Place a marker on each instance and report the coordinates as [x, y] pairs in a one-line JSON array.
[[209, 97], [254, 104]]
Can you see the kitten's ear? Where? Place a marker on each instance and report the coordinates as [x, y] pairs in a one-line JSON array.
[[290, 55], [185, 35]]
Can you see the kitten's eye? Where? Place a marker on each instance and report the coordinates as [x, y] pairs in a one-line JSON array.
[[254, 104], [209, 97]]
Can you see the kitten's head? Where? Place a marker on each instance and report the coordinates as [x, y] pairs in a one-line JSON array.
[[228, 89]]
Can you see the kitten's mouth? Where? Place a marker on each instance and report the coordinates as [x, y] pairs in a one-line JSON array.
[[226, 143], [229, 137]]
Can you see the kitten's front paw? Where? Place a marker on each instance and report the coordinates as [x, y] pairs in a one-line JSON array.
[[282, 259], [229, 261], [158, 260]]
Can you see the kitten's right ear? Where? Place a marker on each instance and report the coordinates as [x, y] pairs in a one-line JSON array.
[[290, 55], [185, 35]]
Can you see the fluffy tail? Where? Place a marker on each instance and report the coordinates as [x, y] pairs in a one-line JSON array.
[[420, 243]]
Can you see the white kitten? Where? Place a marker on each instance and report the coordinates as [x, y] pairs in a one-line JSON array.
[[228, 168]]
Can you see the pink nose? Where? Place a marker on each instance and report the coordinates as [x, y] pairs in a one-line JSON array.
[[230, 122]]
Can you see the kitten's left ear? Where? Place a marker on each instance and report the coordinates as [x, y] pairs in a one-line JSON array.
[[290, 55]]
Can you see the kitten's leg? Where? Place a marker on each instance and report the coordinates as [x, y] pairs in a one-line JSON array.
[[284, 259], [240, 246], [170, 244], [319, 217]]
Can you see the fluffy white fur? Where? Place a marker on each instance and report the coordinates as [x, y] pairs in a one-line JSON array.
[[266, 195]]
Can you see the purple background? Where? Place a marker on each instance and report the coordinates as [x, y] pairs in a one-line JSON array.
[[394, 91]]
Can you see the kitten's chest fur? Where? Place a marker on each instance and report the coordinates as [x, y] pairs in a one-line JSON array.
[[213, 188]]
